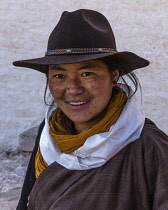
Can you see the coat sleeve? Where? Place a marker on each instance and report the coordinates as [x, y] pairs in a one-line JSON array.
[[30, 174], [156, 166]]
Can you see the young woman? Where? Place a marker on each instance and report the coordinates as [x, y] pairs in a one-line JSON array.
[[95, 149]]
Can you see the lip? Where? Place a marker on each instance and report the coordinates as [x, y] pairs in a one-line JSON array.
[[78, 104]]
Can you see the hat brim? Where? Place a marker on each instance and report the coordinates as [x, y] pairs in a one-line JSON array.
[[128, 61]]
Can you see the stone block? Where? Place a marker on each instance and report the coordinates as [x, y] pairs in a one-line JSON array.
[[27, 139]]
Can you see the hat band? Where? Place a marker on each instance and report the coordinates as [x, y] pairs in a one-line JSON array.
[[79, 51]]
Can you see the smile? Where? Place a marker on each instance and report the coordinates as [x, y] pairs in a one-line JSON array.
[[77, 103]]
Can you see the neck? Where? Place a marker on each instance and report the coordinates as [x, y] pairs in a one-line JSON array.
[[79, 127]]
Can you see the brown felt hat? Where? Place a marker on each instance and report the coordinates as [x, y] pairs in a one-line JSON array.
[[79, 36]]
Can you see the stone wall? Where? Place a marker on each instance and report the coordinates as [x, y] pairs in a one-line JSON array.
[[139, 26]]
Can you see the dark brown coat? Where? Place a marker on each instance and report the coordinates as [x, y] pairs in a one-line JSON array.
[[134, 179]]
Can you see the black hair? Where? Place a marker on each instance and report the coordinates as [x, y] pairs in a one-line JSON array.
[[46, 87], [45, 91]]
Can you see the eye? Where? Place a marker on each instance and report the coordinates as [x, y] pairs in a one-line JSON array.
[[59, 76], [86, 74]]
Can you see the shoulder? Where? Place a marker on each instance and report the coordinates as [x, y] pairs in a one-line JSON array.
[[151, 135], [152, 147], [155, 163]]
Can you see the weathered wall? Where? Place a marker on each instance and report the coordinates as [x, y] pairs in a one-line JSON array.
[[139, 26]]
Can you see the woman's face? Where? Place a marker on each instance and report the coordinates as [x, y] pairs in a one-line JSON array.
[[82, 90]]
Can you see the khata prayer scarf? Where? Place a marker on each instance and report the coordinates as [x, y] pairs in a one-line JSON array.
[[61, 129]]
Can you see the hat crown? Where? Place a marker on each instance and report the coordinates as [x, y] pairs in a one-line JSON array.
[[82, 29]]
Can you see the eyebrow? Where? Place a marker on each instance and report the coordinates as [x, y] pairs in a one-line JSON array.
[[57, 68], [84, 66]]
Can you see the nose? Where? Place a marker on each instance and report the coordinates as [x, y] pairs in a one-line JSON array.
[[74, 87]]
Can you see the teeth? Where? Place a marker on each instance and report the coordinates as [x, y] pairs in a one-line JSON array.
[[77, 103]]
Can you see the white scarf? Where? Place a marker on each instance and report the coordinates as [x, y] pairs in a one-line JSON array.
[[99, 148]]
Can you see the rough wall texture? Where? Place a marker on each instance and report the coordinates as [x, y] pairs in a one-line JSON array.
[[139, 26]]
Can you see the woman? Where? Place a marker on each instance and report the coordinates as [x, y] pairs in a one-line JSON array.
[[95, 149]]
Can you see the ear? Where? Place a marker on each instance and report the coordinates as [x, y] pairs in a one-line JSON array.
[[115, 77]]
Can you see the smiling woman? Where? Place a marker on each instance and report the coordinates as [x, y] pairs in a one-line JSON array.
[[95, 149]]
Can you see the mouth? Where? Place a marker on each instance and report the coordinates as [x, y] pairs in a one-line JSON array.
[[78, 104]]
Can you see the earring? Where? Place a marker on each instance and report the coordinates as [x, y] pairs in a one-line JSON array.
[[115, 83]]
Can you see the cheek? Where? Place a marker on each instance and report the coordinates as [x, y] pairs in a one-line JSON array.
[[55, 90], [100, 87]]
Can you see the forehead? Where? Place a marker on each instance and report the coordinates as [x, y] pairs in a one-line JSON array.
[[92, 63]]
